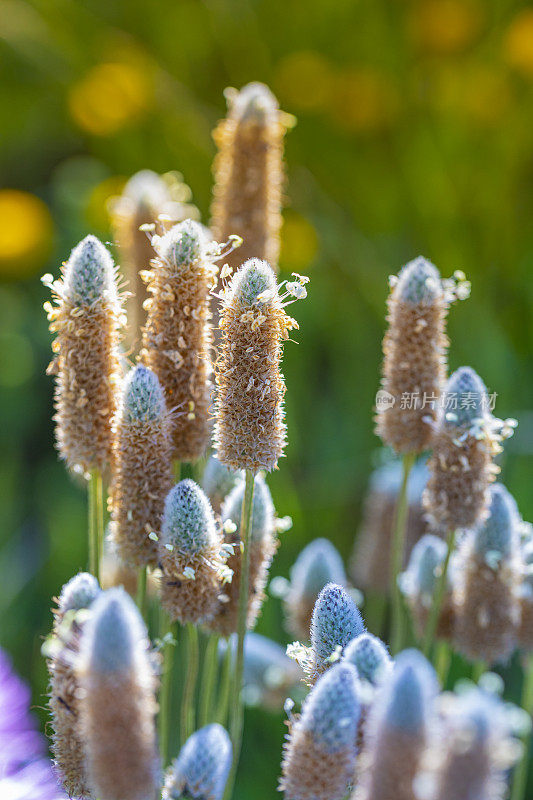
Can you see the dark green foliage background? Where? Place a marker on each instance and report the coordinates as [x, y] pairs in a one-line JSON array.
[[447, 173]]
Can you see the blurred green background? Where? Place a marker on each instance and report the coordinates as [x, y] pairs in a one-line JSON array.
[[414, 136]]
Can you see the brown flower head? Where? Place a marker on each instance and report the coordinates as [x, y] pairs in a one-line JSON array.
[[192, 556], [177, 337], [146, 196], [250, 429], [142, 468], [86, 318], [248, 173], [414, 366], [117, 702]]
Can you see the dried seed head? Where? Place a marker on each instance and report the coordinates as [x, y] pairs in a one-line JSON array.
[[263, 545], [142, 469], [473, 751], [487, 575], [76, 595], [397, 730], [86, 318], [370, 561], [250, 430], [217, 482], [418, 584], [146, 196], [201, 770], [117, 701], [414, 367], [320, 754], [191, 555], [269, 674], [461, 466], [177, 336], [248, 173], [318, 563], [370, 657], [336, 621]]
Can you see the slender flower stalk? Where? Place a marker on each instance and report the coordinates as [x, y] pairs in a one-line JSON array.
[[320, 754], [142, 469], [145, 197], [521, 773], [177, 337], [207, 685], [201, 770], [398, 548], [439, 595], [248, 173], [117, 701], [189, 687], [225, 685], [168, 636]]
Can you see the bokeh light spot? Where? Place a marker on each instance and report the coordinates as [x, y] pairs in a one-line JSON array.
[[303, 81], [26, 233], [364, 100], [518, 44], [445, 26], [299, 242]]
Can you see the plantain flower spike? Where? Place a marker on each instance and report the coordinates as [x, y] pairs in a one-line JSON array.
[[461, 466], [320, 753], [177, 337], [318, 563], [263, 546], [248, 172], [414, 366], [474, 750], [217, 482], [488, 572], [87, 317], [250, 430], [76, 596], [397, 731], [419, 582], [336, 621], [145, 198], [117, 701], [370, 657], [370, 561], [191, 555], [142, 472], [201, 769]]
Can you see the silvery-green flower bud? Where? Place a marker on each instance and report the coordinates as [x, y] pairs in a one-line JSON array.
[[201, 770]]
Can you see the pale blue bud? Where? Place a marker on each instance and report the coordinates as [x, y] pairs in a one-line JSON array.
[[201, 769], [183, 244], [78, 593], [218, 480], [114, 634], [89, 272], [465, 398], [427, 556], [253, 279], [143, 397], [498, 534], [406, 701], [188, 520], [331, 710], [419, 282], [336, 621], [370, 658], [262, 512], [318, 563]]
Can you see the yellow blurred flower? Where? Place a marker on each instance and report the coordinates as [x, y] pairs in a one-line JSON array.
[[299, 242], [364, 100], [518, 43], [303, 81], [26, 232], [110, 96], [476, 91], [445, 26]]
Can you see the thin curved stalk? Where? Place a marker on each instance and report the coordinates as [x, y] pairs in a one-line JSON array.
[[206, 713], [522, 768], [141, 591], [225, 684], [189, 687], [438, 597], [398, 547], [165, 693]]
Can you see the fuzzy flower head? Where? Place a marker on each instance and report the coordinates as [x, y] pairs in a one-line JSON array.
[[318, 563], [467, 395], [255, 102], [406, 702], [182, 245], [497, 536], [419, 282], [89, 272], [331, 710], [370, 658], [143, 397], [336, 621], [254, 284], [262, 513], [420, 577], [201, 770], [78, 593], [218, 481], [147, 189], [188, 521]]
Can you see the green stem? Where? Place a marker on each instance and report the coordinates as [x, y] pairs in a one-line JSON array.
[[443, 657], [94, 543], [398, 547], [237, 709], [225, 683], [177, 471], [165, 693], [141, 591], [438, 597], [208, 680], [522, 768], [375, 612], [478, 668], [189, 688]]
